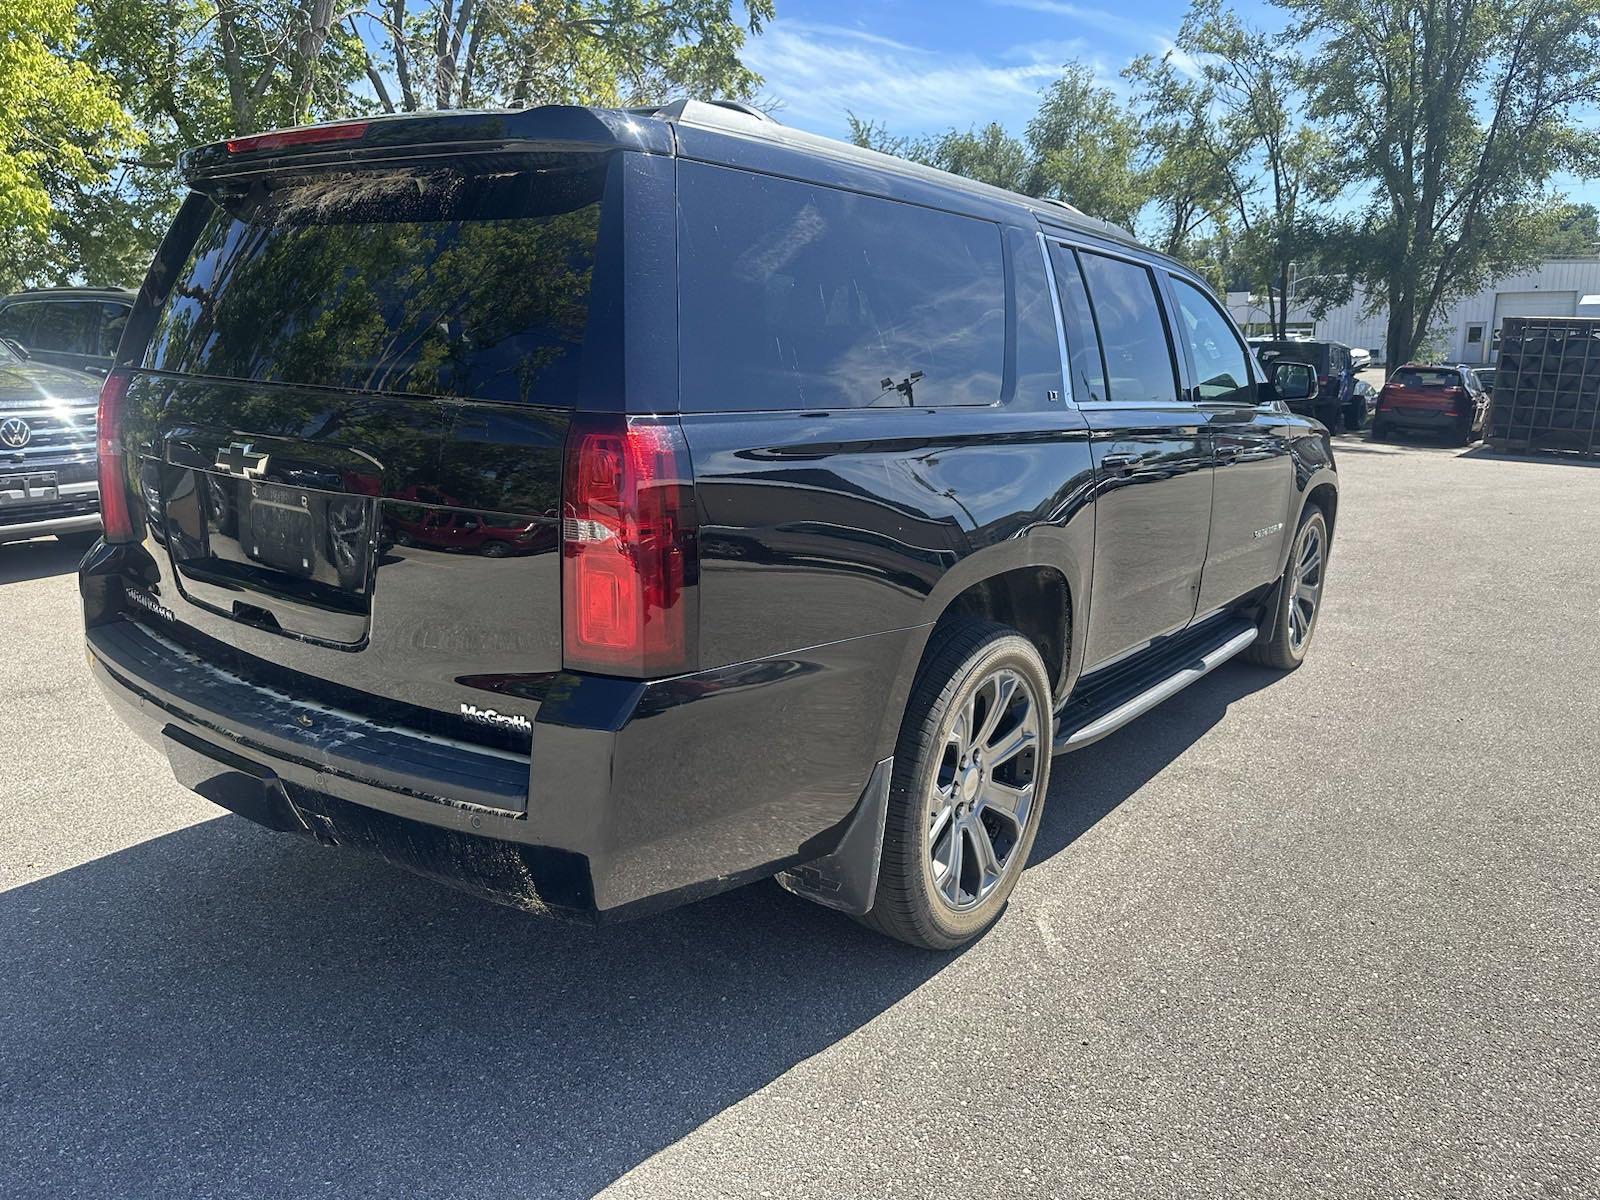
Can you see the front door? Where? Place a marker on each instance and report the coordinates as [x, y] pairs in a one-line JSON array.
[[1151, 450]]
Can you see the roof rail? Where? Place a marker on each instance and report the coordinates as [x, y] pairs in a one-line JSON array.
[[678, 109], [1071, 208]]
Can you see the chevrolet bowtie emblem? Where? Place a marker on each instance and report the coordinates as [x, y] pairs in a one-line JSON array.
[[242, 460]]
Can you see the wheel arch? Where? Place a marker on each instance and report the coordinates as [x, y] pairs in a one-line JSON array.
[[1042, 597]]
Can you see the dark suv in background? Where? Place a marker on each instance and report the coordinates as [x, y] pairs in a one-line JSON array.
[[854, 492], [1337, 400], [69, 326]]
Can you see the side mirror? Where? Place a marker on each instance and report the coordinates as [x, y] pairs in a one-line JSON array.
[[1292, 380]]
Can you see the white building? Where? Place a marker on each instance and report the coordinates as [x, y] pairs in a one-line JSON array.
[[1469, 331]]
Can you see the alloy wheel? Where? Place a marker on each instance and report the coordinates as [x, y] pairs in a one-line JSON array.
[[1307, 586], [982, 791]]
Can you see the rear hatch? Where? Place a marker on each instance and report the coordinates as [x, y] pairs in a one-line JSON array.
[[351, 408], [1426, 389]]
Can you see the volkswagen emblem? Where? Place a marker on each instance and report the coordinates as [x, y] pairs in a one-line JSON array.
[[14, 433]]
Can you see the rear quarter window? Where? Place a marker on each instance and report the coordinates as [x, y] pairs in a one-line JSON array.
[[798, 296], [417, 281]]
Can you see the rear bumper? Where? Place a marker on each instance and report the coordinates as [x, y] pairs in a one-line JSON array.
[[635, 797], [1421, 418]]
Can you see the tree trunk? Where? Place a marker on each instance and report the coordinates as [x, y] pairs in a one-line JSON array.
[[233, 69], [308, 49], [402, 60]]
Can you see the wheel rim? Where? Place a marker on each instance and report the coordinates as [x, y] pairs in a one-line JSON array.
[[1307, 587], [982, 791]]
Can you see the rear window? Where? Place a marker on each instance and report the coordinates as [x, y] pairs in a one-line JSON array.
[[1412, 377], [412, 281], [793, 295]]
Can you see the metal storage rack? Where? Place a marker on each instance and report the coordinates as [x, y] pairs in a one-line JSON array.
[[1547, 385]]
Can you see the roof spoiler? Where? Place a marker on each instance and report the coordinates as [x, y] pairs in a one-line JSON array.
[[550, 128]]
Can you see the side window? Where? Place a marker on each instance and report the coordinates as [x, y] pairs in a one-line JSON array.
[[112, 318], [68, 327], [794, 295], [16, 322], [1139, 366], [1221, 366], [1088, 374], [1038, 351]]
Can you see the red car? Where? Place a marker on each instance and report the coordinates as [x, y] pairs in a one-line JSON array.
[[1444, 400], [491, 536]]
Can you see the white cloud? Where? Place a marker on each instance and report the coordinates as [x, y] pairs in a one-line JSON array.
[[818, 73]]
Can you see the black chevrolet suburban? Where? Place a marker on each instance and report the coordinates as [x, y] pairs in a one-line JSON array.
[[834, 496]]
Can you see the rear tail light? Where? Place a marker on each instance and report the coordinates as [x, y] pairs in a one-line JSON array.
[[339, 131], [629, 560], [113, 465]]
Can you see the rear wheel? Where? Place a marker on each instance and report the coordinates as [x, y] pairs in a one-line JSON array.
[[970, 772], [1284, 641], [1355, 415], [1380, 430]]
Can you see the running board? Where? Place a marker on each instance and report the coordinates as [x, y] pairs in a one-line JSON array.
[[1090, 721]]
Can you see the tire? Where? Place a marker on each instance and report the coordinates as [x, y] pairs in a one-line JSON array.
[[1355, 416], [1380, 430], [494, 550], [1464, 432], [1284, 641], [943, 798]]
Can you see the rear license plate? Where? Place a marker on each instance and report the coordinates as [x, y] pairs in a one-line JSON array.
[[279, 529], [32, 488]]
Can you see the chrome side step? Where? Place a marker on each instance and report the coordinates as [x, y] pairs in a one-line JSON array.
[[1076, 739]]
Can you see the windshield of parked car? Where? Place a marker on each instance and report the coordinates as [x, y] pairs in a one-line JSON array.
[[1414, 377]]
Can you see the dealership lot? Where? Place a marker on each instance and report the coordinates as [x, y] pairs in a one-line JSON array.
[[1335, 933]]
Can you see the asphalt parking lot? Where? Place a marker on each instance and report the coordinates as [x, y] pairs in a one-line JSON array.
[[1329, 934]]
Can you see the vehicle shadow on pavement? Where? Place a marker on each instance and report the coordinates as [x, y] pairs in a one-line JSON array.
[[1089, 783], [22, 561], [223, 1010]]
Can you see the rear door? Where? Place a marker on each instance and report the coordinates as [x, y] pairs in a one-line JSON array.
[[1151, 450], [350, 375], [1253, 480]]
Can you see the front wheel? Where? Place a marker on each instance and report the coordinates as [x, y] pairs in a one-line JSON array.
[[971, 768], [1283, 642]]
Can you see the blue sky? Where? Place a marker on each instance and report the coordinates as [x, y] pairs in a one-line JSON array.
[[923, 66]]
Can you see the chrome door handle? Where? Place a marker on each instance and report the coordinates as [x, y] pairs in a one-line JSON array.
[[1119, 462]]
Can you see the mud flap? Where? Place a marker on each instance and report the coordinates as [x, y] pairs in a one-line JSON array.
[[847, 878]]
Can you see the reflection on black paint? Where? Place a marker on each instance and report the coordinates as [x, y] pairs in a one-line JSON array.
[[425, 282]]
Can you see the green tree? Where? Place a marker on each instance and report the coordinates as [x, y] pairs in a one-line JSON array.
[[989, 155], [1271, 161], [1085, 144], [1190, 162], [1453, 119], [1574, 233], [473, 53], [60, 129]]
